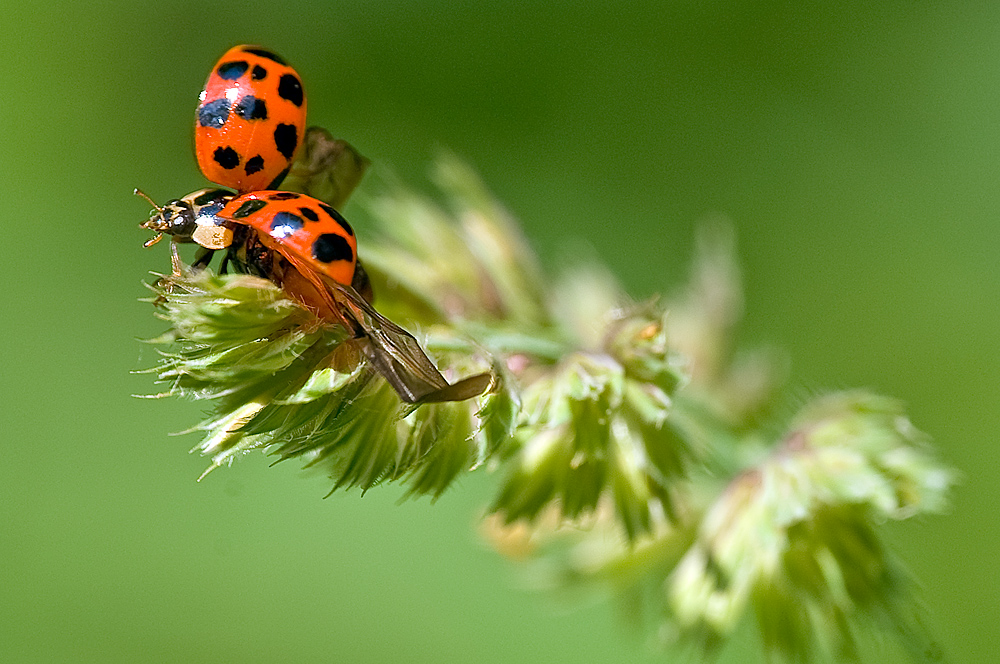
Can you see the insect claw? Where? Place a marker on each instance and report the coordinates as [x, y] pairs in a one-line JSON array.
[[153, 240]]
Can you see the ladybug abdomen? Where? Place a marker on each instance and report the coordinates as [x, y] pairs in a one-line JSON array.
[[302, 228], [250, 120]]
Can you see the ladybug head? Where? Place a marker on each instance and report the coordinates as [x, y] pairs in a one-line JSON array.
[[176, 219], [190, 219]]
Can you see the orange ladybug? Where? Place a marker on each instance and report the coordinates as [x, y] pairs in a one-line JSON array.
[[309, 249], [250, 120]]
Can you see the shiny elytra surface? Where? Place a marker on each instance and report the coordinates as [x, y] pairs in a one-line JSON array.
[[250, 119], [301, 228]]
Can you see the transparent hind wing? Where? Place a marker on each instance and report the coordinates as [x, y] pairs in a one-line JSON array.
[[392, 350], [400, 359], [466, 388]]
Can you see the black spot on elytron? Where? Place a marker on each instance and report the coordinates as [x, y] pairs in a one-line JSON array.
[[286, 139], [309, 214], [248, 208], [285, 223], [339, 218], [258, 73], [276, 182], [290, 88], [211, 195], [254, 165], [230, 71], [214, 113], [226, 157], [251, 108], [264, 53], [283, 196], [330, 247]]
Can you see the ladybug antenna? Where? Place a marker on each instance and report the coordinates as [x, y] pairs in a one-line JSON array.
[[159, 211], [139, 192]]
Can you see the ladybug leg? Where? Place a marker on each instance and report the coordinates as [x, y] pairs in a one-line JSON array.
[[165, 284], [176, 266]]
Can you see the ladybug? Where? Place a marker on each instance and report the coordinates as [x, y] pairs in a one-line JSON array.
[[250, 120], [309, 234], [309, 249]]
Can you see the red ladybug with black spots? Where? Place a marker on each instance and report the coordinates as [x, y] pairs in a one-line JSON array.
[[246, 134], [250, 120]]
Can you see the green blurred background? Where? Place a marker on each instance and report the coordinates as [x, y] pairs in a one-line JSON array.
[[854, 146]]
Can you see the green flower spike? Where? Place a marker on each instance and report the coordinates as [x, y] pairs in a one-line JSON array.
[[284, 381], [633, 442], [782, 530], [592, 371], [794, 537]]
